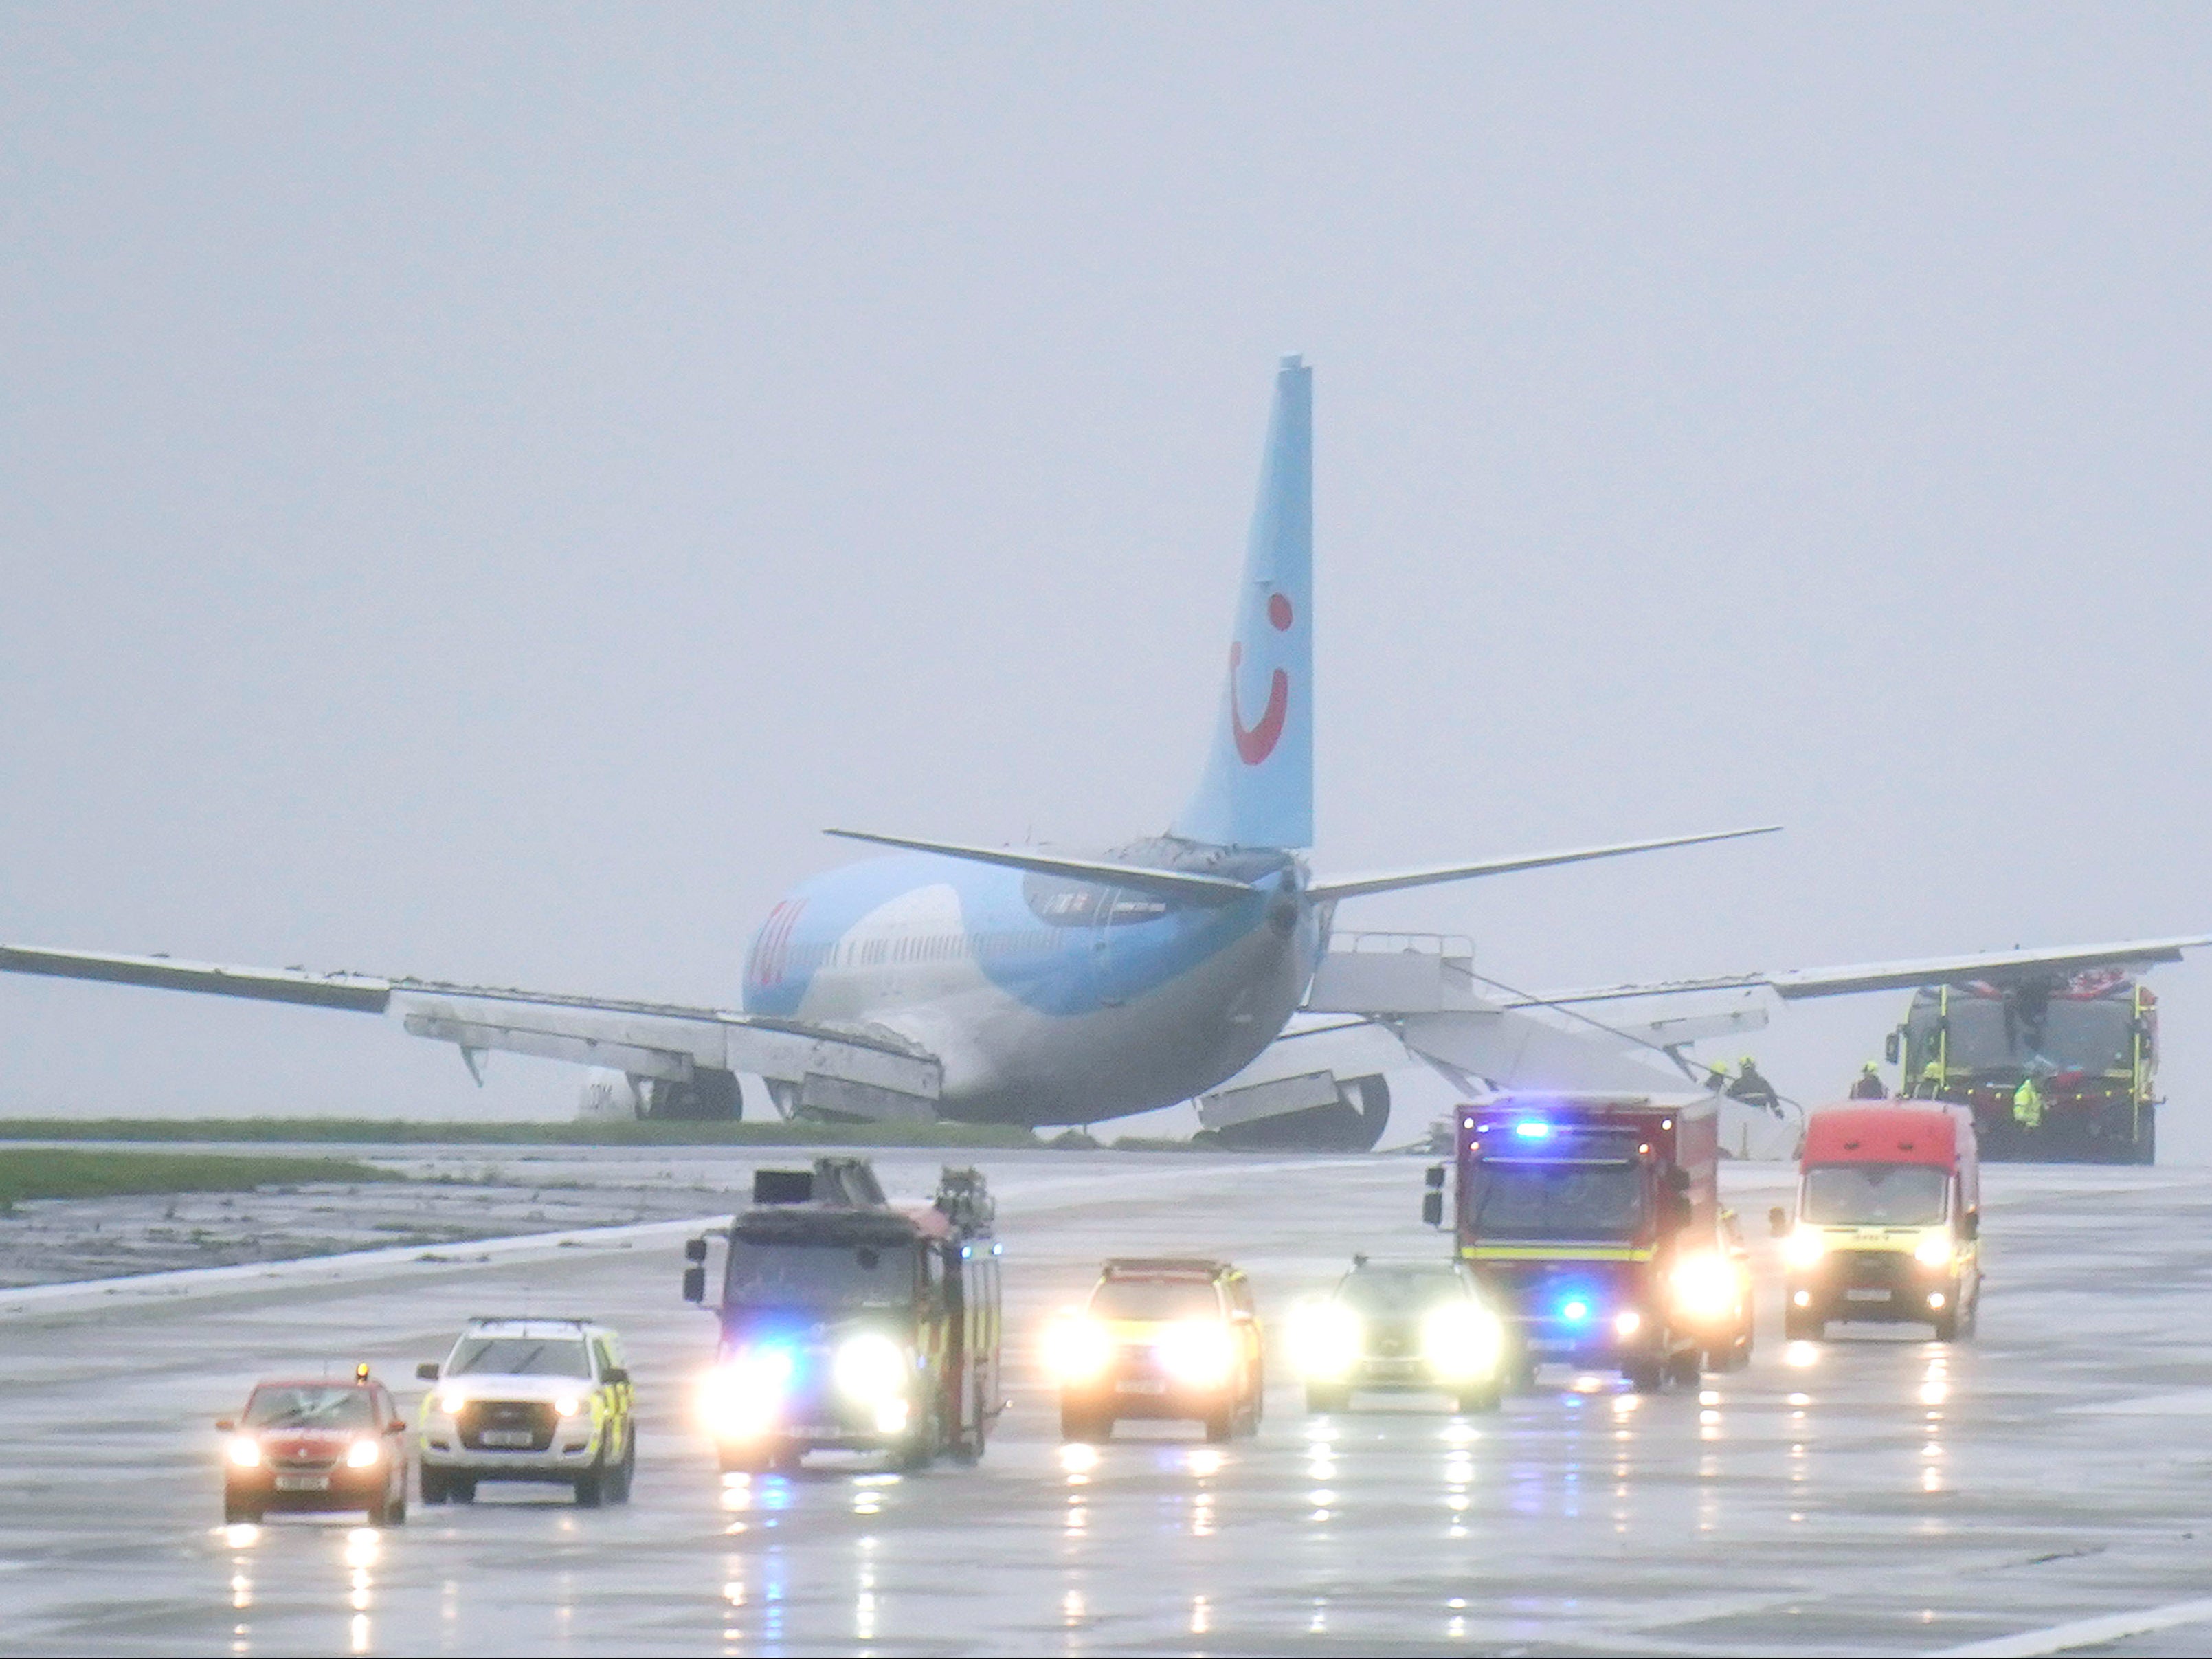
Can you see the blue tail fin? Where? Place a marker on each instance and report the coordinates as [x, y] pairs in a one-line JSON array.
[[1258, 786]]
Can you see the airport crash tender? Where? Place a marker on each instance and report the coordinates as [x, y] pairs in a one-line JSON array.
[[849, 1325], [1593, 1222]]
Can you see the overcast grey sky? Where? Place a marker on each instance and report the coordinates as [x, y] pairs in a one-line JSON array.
[[480, 488]]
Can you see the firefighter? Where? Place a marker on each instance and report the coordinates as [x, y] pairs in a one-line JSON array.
[[1753, 1090], [1930, 1086], [2027, 1104], [1869, 1085]]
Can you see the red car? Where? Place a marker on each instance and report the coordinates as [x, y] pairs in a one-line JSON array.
[[317, 1446]]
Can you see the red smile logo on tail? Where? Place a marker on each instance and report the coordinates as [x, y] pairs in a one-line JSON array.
[[1255, 743]]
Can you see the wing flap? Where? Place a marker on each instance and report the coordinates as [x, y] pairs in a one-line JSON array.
[[644, 1038]]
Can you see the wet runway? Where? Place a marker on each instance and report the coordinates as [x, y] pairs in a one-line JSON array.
[[2043, 1487]]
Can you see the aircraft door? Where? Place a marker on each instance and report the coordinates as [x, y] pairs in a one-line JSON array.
[[1101, 947]]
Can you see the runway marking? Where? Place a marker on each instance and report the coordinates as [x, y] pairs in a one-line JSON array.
[[2186, 1402], [2082, 1632]]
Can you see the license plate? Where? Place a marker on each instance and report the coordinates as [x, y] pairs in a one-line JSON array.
[[1866, 1296], [1551, 1344], [507, 1436], [1140, 1387], [303, 1483]]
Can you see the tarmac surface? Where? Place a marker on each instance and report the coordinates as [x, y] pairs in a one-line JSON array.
[[2042, 1488]]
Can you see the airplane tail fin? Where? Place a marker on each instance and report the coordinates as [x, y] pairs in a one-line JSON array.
[[1257, 790]]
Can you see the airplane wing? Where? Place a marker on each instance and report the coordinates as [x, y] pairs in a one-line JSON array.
[[1389, 881], [1166, 883], [1799, 984], [644, 1039]]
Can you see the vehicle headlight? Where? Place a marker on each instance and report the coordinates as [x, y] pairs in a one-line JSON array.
[[1461, 1340], [1805, 1247], [1626, 1324], [1197, 1353], [244, 1451], [1076, 1348], [567, 1406], [1705, 1287], [1325, 1338], [869, 1368], [450, 1400], [740, 1398], [363, 1453], [1933, 1250]]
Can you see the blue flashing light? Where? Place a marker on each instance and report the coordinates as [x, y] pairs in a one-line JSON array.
[[1575, 1310], [1532, 1129]]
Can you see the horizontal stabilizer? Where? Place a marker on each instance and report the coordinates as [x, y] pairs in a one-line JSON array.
[[1329, 887], [1164, 883]]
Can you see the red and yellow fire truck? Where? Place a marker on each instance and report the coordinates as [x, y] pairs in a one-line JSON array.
[[1594, 1222]]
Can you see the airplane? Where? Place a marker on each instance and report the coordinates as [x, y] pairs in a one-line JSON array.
[[1025, 986]]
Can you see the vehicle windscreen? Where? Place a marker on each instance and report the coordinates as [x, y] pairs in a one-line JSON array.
[[1154, 1298], [779, 1274], [1395, 1295], [519, 1356], [308, 1407], [1587, 1203], [1874, 1195], [2008, 1035]]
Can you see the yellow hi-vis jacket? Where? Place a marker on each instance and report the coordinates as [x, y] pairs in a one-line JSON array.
[[2027, 1105]]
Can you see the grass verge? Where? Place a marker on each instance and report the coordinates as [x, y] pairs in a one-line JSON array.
[[399, 1133], [28, 1172]]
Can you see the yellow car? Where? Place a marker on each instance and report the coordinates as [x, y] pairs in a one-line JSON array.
[[1160, 1337]]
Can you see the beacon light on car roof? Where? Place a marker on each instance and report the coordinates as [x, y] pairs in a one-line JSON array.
[[1576, 1310]]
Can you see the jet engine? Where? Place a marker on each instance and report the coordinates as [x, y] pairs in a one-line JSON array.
[[616, 1097]]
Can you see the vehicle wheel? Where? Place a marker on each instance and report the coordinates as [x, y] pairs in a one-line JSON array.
[[434, 1487], [1219, 1425], [461, 1488], [1483, 1400], [395, 1510], [1645, 1376], [235, 1514], [1683, 1368], [1803, 1327], [1077, 1425], [920, 1448], [747, 1460], [624, 1472], [1321, 1398], [1946, 1327], [591, 1486]]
